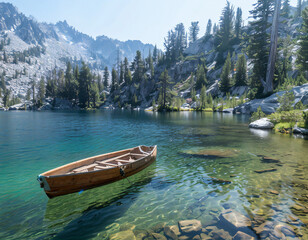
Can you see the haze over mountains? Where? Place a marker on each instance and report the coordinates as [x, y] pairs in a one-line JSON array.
[[59, 43]]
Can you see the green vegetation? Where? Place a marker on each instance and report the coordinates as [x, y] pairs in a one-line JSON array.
[[257, 115]]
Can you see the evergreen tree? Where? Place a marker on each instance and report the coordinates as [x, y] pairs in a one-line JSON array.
[[84, 81], [127, 73], [259, 41], [215, 29], [121, 79], [138, 68], [114, 81], [299, 8], [3, 85], [285, 11], [238, 22], [200, 77], [225, 33], [193, 32], [33, 92], [208, 28], [155, 54], [6, 97], [28, 94], [94, 94], [5, 57], [180, 40], [106, 77], [241, 71], [203, 97], [225, 79], [68, 81], [302, 59], [99, 83], [41, 91], [150, 64], [165, 90]]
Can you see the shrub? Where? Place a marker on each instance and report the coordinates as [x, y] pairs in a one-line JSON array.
[[305, 117], [286, 101], [257, 115]]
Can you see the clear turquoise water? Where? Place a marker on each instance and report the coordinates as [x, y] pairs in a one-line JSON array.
[[177, 187]]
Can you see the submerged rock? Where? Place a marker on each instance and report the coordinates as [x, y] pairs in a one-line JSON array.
[[123, 235], [266, 170], [219, 180], [220, 235], [211, 153], [242, 236], [269, 160], [262, 123], [172, 232], [158, 236], [190, 226], [235, 219]]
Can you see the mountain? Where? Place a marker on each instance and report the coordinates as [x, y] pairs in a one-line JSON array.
[[57, 44]]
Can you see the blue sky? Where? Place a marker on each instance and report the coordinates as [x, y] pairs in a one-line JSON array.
[[145, 20]]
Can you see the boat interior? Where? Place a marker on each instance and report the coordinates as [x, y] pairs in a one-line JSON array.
[[113, 161]]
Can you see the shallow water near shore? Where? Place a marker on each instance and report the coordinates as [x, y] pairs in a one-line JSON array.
[[178, 186]]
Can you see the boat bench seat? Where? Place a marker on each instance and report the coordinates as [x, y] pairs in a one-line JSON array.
[[85, 168]]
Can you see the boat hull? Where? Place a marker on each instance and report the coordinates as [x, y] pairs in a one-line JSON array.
[[57, 185]]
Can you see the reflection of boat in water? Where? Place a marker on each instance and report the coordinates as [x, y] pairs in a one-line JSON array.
[[96, 171], [81, 216]]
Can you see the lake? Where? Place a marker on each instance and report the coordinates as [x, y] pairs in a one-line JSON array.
[[206, 163]]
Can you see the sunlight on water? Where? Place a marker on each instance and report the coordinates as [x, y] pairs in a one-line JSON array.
[[206, 163]]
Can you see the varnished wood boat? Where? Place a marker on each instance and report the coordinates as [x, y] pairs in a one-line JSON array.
[[96, 171]]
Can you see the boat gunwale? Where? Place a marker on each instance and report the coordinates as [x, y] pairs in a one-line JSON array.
[[107, 169]]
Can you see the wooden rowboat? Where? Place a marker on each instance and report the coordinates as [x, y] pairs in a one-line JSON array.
[[96, 171]]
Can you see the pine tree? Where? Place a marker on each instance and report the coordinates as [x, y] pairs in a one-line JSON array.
[[302, 59], [114, 81], [41, 91], [193, 32], [5, 57], [106, 77], [138, 68], [6, 97], [99, 83], [94, 94], [238, 22], [241, 71], [155, 54], [299, 8], [285, 11], [127, 73], [203, 97], [84, 81], [200, 77], [208, 28], [68, 81], [164, 84], [3, 85], [225, 79], [33, 92], [215, 29], [180, 40], [150, 64], [121, 79], [259, 41], [225, 33], [28, 94]]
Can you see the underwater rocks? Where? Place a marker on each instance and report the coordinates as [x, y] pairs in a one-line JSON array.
[[242, 236], [211, 153], [190, 226], [123, 235], [266, 170], [269, 160], [219, 180], [235, 219]]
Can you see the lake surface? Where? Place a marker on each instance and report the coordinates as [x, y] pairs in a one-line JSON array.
[[192, 148]]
